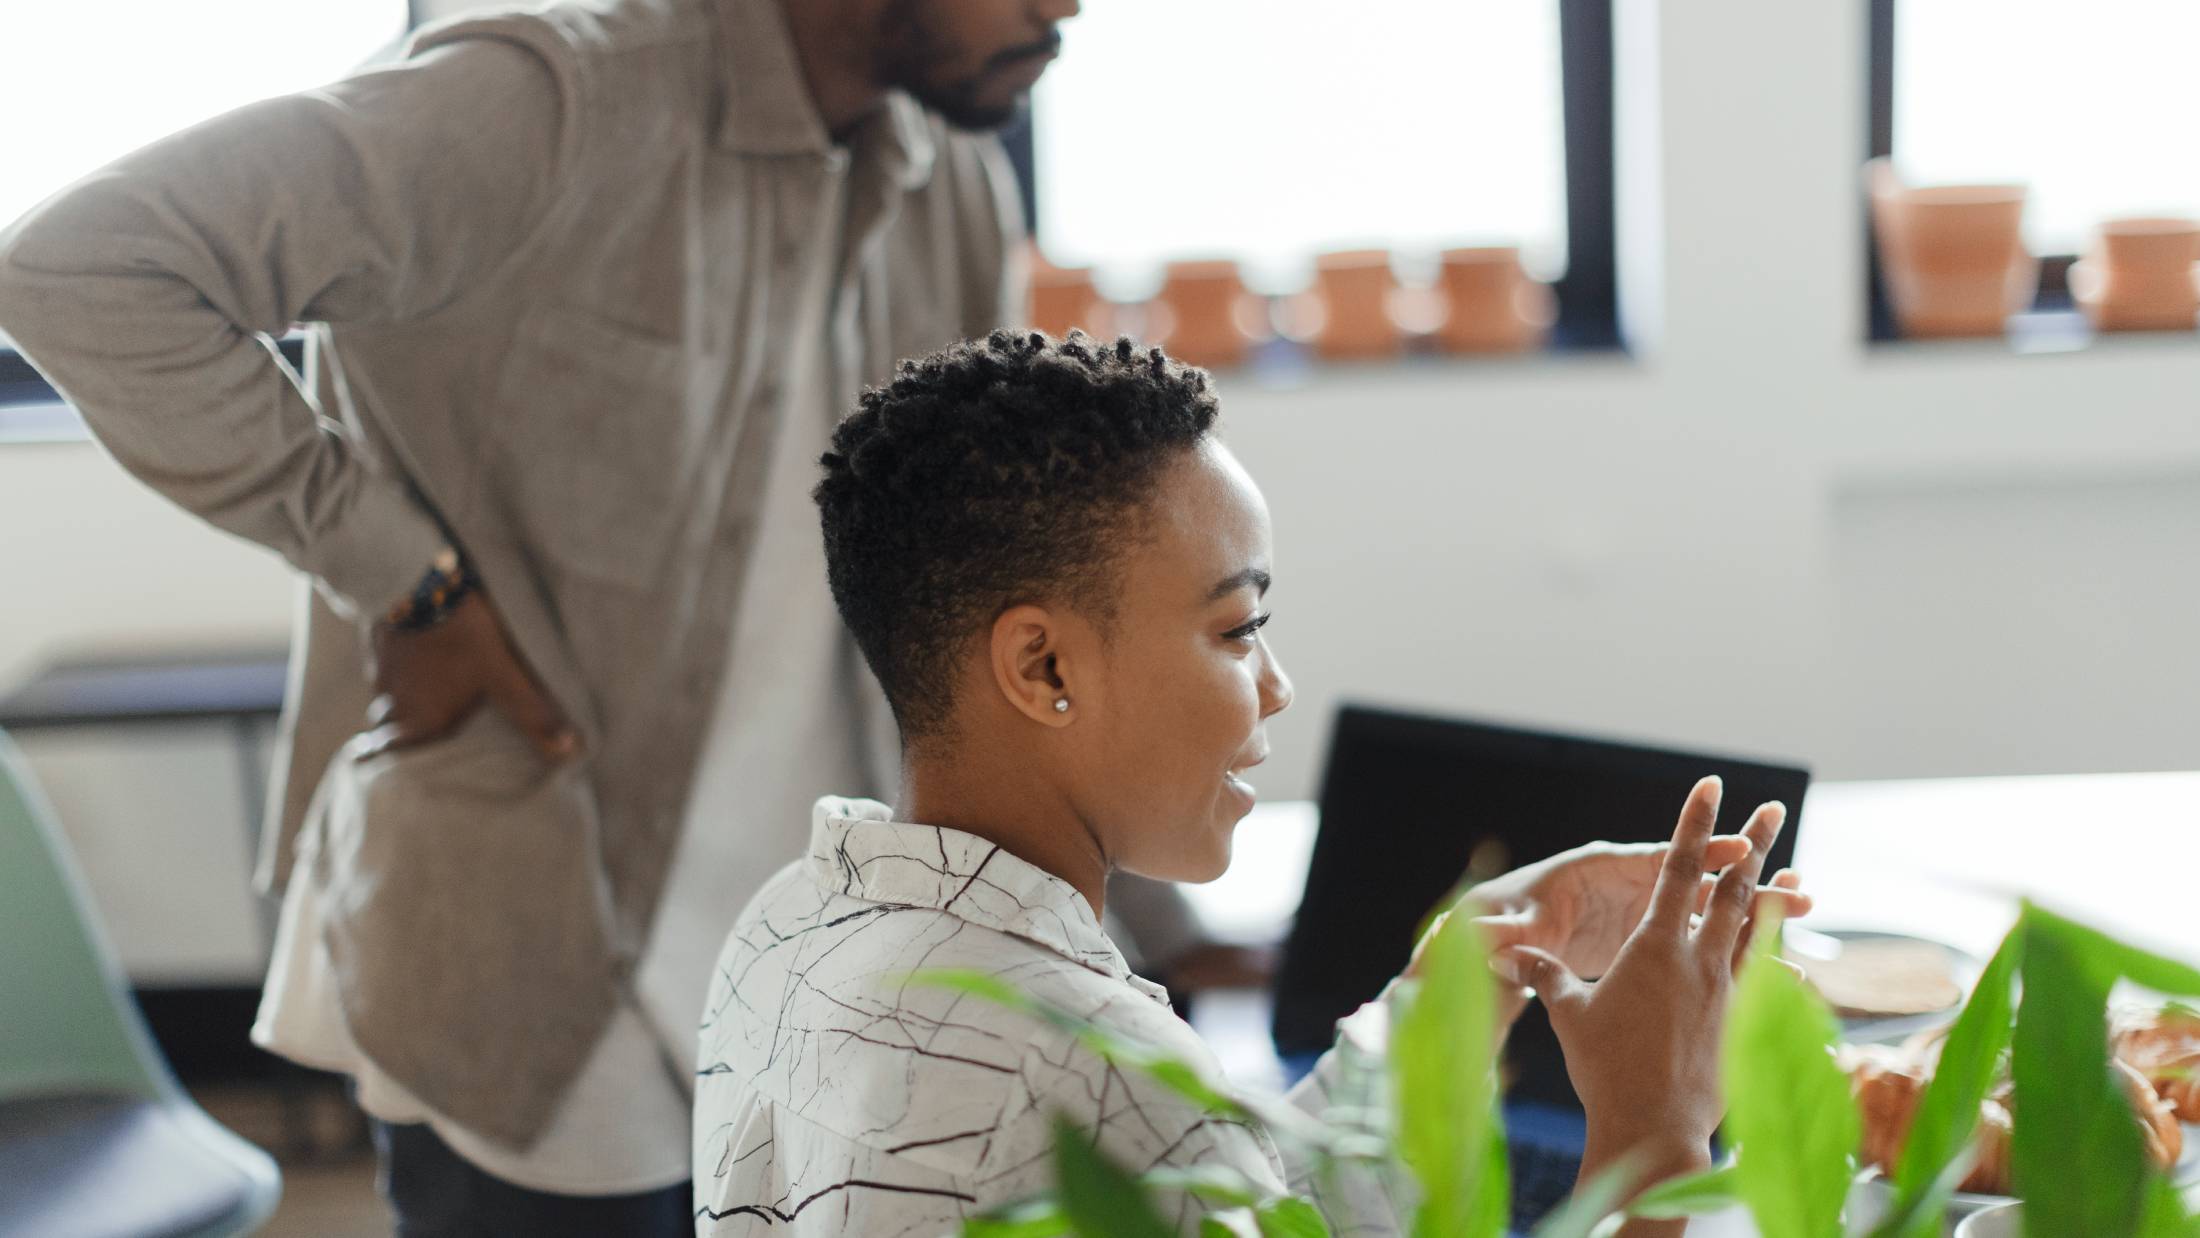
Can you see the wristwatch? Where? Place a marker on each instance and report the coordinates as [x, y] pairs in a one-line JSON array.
[[447, 583]]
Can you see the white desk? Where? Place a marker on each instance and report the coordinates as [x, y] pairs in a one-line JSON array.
[[1948, 858], [1941, 858]]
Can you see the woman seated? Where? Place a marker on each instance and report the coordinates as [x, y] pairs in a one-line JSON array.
[[1056, 570]]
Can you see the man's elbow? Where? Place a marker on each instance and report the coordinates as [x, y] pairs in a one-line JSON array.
[[74, 276], [36, 254], [15, 292]]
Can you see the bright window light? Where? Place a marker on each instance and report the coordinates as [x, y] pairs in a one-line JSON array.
[[1270, 130], [90, 80], [2091, 104]]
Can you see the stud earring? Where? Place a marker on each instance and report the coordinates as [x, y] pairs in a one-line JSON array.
[[1061, 704]]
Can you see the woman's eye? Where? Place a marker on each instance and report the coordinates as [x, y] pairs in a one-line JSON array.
[[1246, 630]]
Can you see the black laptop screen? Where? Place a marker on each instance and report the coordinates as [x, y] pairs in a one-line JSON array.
[[1406, 800]]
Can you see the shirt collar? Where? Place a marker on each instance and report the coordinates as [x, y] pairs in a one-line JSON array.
[[766, 109], [858, 849]]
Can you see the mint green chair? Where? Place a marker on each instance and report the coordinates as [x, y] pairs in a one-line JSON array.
[[97, 1140]]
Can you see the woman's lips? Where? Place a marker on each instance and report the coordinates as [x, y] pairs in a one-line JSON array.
[[1235, 780]]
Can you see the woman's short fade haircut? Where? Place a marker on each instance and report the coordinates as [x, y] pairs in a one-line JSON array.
[[999, 472]]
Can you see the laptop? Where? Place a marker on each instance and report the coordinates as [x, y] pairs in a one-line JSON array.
[[1406, 799]]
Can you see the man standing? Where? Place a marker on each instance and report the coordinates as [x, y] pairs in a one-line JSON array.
[[586, 287]]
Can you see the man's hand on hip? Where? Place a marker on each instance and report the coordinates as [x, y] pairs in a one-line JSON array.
[[429, 681]]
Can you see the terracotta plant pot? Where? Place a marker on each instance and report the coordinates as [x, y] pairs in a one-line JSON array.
[[1953, 255], [1355, 292], [1204, 316], [2140, 276], [1064, 298], [1491, 304]]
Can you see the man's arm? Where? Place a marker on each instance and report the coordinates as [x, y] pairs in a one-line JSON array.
[[145, 292]]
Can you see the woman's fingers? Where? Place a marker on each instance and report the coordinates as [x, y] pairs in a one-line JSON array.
[[1511, 928], [1786, 889], [1542, 972], [1675, 895], [1722, 850], [1736, 890]]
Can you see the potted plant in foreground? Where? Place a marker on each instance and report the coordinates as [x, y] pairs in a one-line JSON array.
[[1430, 1132]]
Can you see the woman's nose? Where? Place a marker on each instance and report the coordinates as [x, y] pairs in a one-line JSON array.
[[1275, 686]]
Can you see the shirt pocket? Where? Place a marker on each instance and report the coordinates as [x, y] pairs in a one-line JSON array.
[[370, 813], [602, 430]]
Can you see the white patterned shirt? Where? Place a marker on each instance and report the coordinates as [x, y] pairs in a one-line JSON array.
[[834, 1097]]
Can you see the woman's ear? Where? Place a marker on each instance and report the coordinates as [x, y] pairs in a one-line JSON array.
[[1030, 663]]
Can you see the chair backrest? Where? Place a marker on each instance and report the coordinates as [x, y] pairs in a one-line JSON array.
[[67, 1022]]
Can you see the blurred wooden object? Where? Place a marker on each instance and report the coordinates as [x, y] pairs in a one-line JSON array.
[[1204, 316], [1953, 255], [1064, 299], [2140, 276], [1356, 292], [1491, 303]]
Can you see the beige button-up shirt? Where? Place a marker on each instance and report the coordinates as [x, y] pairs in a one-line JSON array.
[[549, 266]]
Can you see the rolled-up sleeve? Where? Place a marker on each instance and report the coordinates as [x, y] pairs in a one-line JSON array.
[[149, 292]]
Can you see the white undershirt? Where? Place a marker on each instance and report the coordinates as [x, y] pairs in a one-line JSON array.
[[784, 727], [782, 731]]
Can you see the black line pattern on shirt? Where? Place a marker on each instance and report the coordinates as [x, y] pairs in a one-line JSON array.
[[826, 1076]]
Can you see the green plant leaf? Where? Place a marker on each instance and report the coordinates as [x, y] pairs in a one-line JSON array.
[[1099, 1197], [1440, 1059], [1279, 1117], [1948, 1112], [2107, 958], [2164, 1214], [1214, 1184], [1907, 1216], [1176, 1075], [1788, 1106], [2076, 1155], [974, 982], [1291, 1218], [1589, 1205], [1693, 1195], [1491, 1202], [1031, 1218]]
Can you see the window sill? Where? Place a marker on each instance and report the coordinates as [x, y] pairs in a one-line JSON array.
[[43, 422], [1284, 366], [1277, 366], [2043, 333]]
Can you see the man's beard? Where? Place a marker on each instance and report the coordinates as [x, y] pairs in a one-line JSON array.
[[911, 51]]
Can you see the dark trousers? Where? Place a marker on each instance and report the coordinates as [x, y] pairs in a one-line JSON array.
[[436, 1193]]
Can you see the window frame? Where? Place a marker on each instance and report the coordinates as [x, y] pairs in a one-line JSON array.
[[1588, 292], [22, 386], [19, 383]]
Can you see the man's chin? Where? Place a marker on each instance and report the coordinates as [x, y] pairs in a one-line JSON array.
[[972, 111]]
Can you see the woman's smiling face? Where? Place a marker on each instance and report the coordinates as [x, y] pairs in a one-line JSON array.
[[1185, 679]]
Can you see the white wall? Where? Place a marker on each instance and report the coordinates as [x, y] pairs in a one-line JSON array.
[[1758, 534]]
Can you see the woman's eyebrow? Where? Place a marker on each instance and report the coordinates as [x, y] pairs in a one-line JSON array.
[[1254, 576]]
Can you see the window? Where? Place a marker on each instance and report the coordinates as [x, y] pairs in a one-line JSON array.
[[103, 79], [1267, 131], [90, 82], [2089, 104]]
